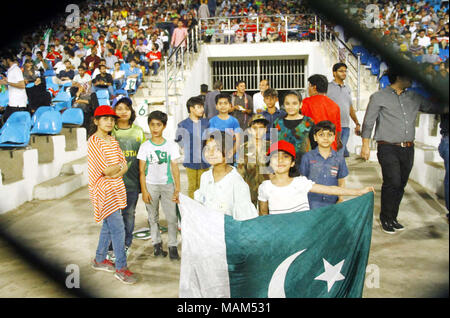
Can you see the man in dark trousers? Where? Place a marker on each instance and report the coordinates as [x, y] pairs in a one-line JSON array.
[[394, 110]]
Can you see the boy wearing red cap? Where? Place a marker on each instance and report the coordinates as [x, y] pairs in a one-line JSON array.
[[287, 192]]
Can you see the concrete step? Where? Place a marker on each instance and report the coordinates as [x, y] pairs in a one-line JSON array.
[[75, 167], [59, 187], [73, 176]]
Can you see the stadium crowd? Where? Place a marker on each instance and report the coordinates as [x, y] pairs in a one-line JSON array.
[[106, 59]]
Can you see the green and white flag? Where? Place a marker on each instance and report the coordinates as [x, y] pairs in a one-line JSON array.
[[318, 253], [46, 38]]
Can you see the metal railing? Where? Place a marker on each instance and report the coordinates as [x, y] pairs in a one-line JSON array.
[[270, 28], [179, 59], [289, 26], [353, 61]]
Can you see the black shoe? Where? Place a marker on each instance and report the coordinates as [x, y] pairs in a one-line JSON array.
[[397, 226], [173, 253], [387, 227], [158, 251]]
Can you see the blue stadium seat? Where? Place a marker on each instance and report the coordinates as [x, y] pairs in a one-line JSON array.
[[58, 106], [443, 54], [49, 73], [16, 131], [39, 112], [49, 123], [364, 56], [102, 94], [103, 101], [121, 92], [124, 66], [419, 89], [29, 85], [357, 49], [63, 97], [384, 81], [73, 116], [4, 99], [50, 84], [374, 63]]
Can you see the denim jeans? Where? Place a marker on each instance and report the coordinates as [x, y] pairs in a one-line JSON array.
[[118, 83], [396, 164], [155, 67], [345, 135], [112, 230], [128, 215], [443, 151]]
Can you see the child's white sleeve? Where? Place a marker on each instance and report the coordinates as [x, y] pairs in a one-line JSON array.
[[262, 195], [175, 152], [243, 208], [142, 155]]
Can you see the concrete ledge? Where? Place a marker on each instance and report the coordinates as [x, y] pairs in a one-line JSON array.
[[71, 138], [44, 146], [58, 187], [14, 194], [11, 165]]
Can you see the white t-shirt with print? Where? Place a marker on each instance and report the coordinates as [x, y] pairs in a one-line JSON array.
[[17, 96], [157, 159], [290, 198]]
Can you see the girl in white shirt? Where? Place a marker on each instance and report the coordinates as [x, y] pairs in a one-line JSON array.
[[284, 193], [222, 187]]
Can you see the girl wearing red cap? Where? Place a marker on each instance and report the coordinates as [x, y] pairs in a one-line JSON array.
[[106, 166], [287, 192]]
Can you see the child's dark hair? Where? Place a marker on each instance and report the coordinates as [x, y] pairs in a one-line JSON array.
[[223, 95], [293, 171], [294, 93], [192, 102], [324, 125], [224, 140], [270, 92], [158, 115], [127, 101], [92, 128]]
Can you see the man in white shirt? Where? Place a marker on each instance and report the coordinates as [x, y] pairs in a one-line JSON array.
[[258, 99], [423, 39], [82, 79], [18, 99]]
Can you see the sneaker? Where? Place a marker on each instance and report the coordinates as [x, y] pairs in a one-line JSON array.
[[125, 276], [110, 256], [106, 265], [158, 250], [173, 253], [387, 227], [397, 226]]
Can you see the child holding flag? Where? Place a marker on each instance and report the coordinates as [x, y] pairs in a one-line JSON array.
[[285, 193], [222, 187]]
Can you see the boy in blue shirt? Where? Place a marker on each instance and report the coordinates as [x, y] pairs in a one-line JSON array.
[[323, 166], [225, 122], [189, 137]]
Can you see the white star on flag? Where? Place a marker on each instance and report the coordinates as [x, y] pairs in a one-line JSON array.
[[332, 273]]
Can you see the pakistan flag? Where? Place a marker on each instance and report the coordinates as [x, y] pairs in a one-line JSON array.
[[317, 253]]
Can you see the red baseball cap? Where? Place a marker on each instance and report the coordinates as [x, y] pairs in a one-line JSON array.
[[284, 146], [105, 110]]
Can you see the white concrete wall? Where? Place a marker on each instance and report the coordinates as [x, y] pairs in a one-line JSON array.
[[14, 194]]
